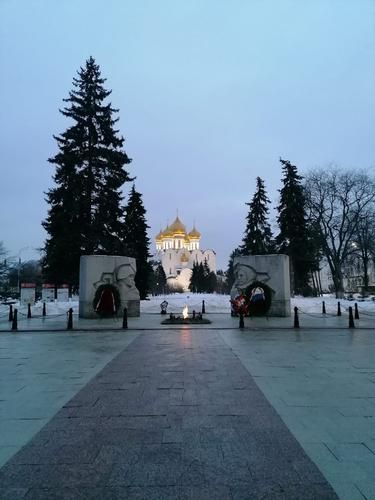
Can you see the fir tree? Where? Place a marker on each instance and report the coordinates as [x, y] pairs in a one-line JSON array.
[[159, 280], [211, 282], [136, 241], [208, 278], [258, 236], [193, 286], [201, 278], [85, 214], [206, 274], [230, 271], [294, 237]]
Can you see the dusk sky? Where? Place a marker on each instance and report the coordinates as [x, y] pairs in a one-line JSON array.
[[211, 93]]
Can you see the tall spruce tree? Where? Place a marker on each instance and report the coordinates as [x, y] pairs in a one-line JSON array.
[[157, 279], [206, 273], [230, 277], [161, 280], [294, 237], [202, 279], [211, 282], [194, 278], [208, 284], [258, 236], [85, 214], [136, 241]]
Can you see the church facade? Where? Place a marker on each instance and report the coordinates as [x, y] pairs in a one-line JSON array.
[[178, 250]]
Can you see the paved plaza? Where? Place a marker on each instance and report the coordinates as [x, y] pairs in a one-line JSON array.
[[190, 412]]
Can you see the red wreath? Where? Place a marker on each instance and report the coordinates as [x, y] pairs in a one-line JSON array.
[[240, 305], [107, 300]]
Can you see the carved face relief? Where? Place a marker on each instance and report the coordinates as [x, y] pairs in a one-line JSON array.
[[245, 275], [122, 277], [125, 274]]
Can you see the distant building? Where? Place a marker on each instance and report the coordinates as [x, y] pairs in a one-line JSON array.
[[178, 250], [352, 272]]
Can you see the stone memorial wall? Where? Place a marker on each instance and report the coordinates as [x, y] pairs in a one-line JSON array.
[[263, 282], [106, 286]]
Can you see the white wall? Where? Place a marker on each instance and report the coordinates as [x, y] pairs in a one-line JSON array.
[[171, 259]]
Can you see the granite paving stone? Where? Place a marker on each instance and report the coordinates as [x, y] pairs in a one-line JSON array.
[[130, 432], [40, 372]]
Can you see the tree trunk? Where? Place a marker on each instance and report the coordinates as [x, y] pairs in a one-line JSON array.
[[320, 283], [315, 288], [365, 274], [339, 285]]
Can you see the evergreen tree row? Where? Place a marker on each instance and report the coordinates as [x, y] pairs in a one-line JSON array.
[[158, 282], [296, 238], [87, 214], [136, 241], [202, 279], [258, 236]]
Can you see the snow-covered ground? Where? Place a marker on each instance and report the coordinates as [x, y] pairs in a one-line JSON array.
[[221, 303], [214, 304]]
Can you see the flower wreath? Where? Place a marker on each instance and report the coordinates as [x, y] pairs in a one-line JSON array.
[[102, 304], [255, 300], [259, 298], [240, 305]]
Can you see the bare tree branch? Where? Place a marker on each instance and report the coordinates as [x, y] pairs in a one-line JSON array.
[[338, 201]]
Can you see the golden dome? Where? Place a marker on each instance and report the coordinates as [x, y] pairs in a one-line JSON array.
[[194, 233], [167, 233], [177, 227], [159, 236]]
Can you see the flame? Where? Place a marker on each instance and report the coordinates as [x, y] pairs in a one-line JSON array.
[[185, 313]]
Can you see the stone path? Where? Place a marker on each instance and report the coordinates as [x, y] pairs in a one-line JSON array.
[[175, 415], [40, 372]]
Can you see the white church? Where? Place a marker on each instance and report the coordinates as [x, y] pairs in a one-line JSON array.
[[178, 250]]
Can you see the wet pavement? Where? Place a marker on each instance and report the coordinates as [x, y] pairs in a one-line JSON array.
[[172, 416], [208, 412]]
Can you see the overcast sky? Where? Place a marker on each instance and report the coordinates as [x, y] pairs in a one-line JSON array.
[[211, 93]]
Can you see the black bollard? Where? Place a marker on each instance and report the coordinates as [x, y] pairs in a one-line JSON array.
[[14, 321], [242, 324], [351, 320], [10, 313], [296, 319], [44, 309], [323, 307], [356, 313], [70, 319], [203, 307], [193, 314], [338, 309], [125, 319], [28, 311]]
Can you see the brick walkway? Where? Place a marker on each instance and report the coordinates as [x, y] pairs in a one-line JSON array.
[[175, 415]]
